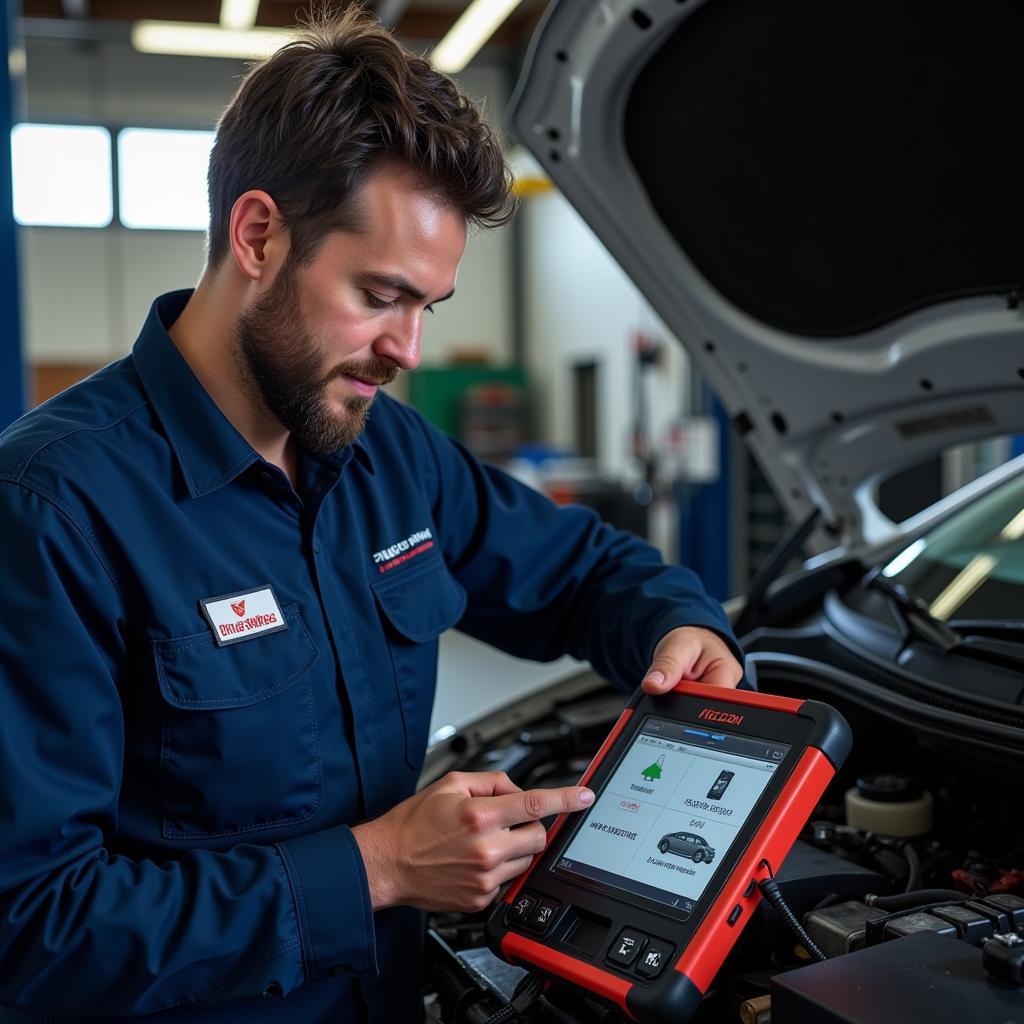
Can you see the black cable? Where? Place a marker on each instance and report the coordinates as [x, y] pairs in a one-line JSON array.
[[913, 864], [773, 894], [527, 991], [906, 900]]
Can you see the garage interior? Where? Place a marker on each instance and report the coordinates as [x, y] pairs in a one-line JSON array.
[[551, 362]]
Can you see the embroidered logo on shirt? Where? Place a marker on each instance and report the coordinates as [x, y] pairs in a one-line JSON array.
[[264, 615], [413, 545]]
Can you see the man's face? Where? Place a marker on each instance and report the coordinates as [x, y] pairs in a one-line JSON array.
[[320, 338]]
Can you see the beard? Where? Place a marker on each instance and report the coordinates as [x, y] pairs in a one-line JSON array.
[[280, 367]]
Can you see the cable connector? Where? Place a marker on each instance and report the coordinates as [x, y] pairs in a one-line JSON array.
[[773, 894], [1003, 957]]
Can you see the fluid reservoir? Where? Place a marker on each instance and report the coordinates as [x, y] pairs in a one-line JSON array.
[[891, 805]]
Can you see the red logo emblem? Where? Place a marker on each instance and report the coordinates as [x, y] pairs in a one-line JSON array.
[[239, 609], [724, 717]]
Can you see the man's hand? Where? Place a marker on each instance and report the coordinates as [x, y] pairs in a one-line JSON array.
[[453, 844], [691, 652]]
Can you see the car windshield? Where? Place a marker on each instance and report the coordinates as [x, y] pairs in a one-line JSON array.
[[971, 566]]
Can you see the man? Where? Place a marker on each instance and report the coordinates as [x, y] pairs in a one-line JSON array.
[[225, 576]]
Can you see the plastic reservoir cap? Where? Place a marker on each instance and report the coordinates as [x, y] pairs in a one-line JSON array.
[[889, 789], [891, 805]]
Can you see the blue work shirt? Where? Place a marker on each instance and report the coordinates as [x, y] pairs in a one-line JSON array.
[[175, 811]]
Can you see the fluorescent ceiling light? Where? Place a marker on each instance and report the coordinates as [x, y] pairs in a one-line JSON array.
[[238, 14], [199, 40], [475, 26]]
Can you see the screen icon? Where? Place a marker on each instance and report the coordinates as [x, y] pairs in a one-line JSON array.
[[720, 785]]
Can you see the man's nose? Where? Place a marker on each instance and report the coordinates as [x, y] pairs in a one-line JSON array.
[[401, 342]]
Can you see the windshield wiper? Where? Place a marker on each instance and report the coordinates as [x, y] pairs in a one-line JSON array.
[[913, 614], [919, 624]]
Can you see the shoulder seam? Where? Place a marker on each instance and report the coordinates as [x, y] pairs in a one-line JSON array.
[[22, 467], [87, 535]]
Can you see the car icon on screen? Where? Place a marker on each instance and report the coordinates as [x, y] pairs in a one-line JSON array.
[[686, 844]]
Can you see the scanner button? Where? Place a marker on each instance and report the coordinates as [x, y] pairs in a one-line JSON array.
[[625, 948], [654, 958], [520, 909], [542, 916], [734, 915]]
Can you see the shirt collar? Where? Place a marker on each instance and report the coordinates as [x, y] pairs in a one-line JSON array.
[[210, 451]]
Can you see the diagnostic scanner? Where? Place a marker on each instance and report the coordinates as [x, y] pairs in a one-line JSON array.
[[700, 793]]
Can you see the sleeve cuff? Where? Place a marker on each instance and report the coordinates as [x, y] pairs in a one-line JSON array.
[[332, 903]]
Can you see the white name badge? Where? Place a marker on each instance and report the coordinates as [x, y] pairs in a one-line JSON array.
[[242, 616]]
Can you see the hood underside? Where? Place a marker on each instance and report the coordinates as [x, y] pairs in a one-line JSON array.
[[823, 201]]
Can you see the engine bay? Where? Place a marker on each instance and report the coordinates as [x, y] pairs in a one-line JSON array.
[[910, 866]]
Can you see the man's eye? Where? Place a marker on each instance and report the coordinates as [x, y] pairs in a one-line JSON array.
[[378, 303], [429, 309]]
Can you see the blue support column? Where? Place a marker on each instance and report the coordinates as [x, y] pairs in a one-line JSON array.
[[12, 366], [705, 544]]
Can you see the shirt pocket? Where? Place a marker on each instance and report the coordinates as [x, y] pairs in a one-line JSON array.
[[417, 606], [239, 748]]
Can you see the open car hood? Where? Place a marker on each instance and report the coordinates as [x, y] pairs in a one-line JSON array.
[[823, 202]]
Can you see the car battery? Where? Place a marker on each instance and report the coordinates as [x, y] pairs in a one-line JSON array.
[[923, 977]]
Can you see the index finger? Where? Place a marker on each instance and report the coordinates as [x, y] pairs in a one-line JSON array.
[[534, 804]]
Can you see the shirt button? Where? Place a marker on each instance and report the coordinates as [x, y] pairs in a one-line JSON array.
[[336, 971], [316, 547], [273, 990]]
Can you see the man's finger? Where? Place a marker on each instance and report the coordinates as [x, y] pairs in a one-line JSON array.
[[667, 669], [479, 783], [656, 681], [525, 840], [534, 804], [722, 673], [512, 868]]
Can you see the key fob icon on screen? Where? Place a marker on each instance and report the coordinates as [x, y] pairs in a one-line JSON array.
[[720, 785]]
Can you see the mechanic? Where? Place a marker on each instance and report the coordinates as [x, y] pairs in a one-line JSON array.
[[224, 580]]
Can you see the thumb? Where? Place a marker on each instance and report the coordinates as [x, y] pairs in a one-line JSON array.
[[722, 672], [663, 675]]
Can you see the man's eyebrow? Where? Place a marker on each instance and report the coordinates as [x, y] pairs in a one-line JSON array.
[[401, 285]]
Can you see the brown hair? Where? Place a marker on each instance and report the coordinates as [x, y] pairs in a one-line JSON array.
[[310, 123]]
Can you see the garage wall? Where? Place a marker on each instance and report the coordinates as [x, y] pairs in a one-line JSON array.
[[86, 292], [581, 307]]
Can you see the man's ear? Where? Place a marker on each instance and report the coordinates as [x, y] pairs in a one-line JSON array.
[[257, 235]]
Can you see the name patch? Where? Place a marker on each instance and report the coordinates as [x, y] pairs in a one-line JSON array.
[[242, 616]]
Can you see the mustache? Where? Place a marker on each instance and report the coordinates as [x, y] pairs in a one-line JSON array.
[[369, 372]]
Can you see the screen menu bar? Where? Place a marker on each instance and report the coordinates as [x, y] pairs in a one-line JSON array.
[[700, 735]]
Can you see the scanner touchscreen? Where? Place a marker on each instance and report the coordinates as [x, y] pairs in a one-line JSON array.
[[671, 810]]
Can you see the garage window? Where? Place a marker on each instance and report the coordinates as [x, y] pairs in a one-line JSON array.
[[62, 175], [162, 178]]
